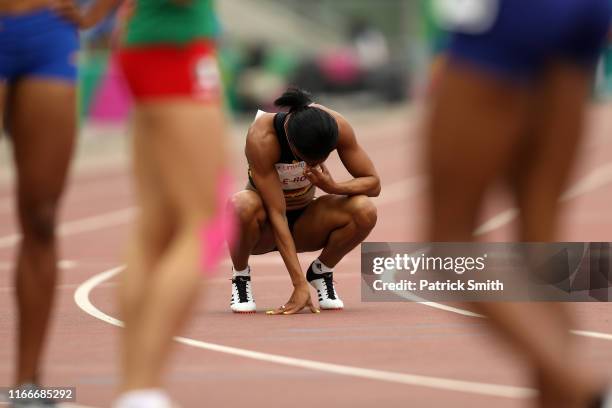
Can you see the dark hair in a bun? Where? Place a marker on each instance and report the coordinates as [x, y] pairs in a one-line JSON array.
[[313, 132], [294, 99]]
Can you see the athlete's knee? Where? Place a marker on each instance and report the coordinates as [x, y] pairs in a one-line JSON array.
[[38, 220], [363, 212], [246, 208], [154, 231]]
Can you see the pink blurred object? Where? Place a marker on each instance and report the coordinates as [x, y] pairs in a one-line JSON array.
[[219, 230], [112, 100], [341, 66]]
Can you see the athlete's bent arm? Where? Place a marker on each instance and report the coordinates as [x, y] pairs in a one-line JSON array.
[[266, 179], [366, 180]]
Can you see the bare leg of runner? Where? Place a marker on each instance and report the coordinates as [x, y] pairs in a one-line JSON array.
[[42, 151], [184, 140]]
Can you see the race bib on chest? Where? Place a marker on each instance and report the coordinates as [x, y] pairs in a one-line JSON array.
[[292, 176]]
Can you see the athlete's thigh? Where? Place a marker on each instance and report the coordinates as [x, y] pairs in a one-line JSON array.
[[321, 217], [187, 142], [42, 123], [475, 125], [266, 242], [155, 218], [548, 154]]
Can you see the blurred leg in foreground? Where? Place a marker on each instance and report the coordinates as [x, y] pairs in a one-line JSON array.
[[509, 108], [169, 61]]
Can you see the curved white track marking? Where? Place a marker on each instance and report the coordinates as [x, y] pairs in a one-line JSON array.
[[81, 297], [600, 177]]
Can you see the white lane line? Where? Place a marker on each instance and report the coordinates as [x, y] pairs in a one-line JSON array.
[[592, 334], [401, 190], [81, 298], [496, 221], [79, 226], [224, 280], [79, 191], [394, 192], [599, 178], [468, 313]]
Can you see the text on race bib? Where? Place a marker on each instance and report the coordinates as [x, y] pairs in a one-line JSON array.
[[291, 175]]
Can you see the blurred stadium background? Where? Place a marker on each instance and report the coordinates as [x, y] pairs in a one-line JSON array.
[[369, 59], [362, 51], [354, 55]]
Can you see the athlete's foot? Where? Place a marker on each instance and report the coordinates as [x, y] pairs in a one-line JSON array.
[[242, 295], [32, 402], [326, 290]]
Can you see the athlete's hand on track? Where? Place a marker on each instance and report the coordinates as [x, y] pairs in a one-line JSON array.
[[23, 6], [300, 299], [321, 178]]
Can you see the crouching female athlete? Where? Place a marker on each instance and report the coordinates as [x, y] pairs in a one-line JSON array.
[[278, 210]]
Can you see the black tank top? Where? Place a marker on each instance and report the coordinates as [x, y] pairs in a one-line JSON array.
[[286, 154], [290, 169]]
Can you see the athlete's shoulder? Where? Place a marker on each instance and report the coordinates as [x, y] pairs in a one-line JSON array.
[[262, 128], [261, 140]]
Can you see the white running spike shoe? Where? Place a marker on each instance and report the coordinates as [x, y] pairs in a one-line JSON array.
[[242, 295], [326, 290]]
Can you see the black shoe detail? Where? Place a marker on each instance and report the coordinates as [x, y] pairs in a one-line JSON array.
[[311, 275], [328, 279], [241, 285]]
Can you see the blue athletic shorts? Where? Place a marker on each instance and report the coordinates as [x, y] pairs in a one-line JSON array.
[[517, 38], [39, 44]]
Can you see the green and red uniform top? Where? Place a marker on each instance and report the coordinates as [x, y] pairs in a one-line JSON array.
[[168, 50], [171, 22]]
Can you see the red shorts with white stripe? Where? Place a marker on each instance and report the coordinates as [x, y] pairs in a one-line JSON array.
[[167, 71]]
